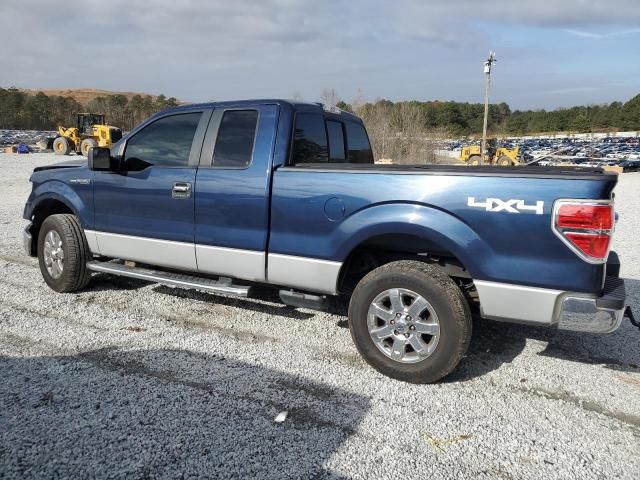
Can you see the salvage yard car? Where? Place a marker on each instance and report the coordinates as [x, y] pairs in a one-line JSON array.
[[224, 196]]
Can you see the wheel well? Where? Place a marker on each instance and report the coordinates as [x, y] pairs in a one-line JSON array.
[[383, 249], [43, 210]]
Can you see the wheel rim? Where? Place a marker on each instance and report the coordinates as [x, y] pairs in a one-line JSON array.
[[403, 325], [53, 254]]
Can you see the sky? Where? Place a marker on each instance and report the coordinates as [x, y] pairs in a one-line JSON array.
[[550, 53]]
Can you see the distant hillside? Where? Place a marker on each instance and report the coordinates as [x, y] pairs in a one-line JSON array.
[[85, 95]]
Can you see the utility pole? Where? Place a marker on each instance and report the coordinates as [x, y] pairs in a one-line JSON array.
[[487, 85]]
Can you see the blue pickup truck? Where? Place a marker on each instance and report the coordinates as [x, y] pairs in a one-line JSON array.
[[224, 196]]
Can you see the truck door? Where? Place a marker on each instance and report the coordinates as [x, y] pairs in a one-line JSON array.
[[232, 192], [145, 211]]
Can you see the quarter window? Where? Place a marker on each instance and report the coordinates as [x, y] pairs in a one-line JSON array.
[[163, 143], [236, 136], [310, 139]]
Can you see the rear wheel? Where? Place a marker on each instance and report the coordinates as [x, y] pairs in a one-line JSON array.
[[410, 321], [474, 160], [86, 145], [61, 146], [63, 253]]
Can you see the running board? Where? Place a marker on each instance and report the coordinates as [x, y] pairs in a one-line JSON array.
[[223, 286]]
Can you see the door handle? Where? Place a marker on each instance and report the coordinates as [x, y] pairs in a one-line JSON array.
[[181, 190]]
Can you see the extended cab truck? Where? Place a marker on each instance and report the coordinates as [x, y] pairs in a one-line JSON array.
[[223, 196]]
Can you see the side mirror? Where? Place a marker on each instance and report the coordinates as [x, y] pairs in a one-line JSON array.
[[100, 159]]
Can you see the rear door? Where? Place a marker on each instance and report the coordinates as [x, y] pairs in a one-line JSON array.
[[145, 212], [232, 192]]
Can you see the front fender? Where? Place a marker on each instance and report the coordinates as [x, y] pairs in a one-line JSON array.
[[79, 202], [436, 226]]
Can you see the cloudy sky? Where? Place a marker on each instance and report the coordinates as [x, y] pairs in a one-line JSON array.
[[550, 53]]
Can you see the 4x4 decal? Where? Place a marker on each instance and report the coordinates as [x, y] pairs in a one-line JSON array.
[[511, 206]]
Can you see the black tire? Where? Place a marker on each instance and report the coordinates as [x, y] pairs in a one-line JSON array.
[[505, 161], [61, 146], [448, 303], [86, 145], [474, 160], [75, 274]]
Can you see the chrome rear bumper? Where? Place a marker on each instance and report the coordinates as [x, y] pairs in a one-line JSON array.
[[554, 308]]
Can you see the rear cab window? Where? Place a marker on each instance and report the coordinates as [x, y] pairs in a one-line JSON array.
[[322, 140]]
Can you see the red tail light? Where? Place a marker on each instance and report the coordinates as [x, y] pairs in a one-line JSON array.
[[586, 227]]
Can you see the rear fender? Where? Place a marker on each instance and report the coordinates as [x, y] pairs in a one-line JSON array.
[[447, 231]]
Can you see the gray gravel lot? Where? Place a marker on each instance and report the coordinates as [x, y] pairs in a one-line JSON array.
[[131, 379]]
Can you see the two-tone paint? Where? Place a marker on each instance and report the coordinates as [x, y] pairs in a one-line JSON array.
[[295, 226]]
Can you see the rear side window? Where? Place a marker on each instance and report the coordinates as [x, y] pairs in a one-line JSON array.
[[336, 142], [310, 139], [163, 143], [358, 144], [236, 136]]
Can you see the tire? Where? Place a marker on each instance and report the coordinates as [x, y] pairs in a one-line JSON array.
[[86, 145], [67, 272], [474, 160], [61, 146], [505, 161], [446, 307]]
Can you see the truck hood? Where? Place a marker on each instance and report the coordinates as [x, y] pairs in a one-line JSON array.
[[67, 164]]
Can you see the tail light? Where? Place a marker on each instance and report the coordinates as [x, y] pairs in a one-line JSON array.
[[585, 226]]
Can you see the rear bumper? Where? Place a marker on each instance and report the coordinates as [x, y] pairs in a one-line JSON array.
[[555, 308], [603, 314]]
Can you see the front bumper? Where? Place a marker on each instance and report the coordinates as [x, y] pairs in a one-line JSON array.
[[602, 314], [27, 240]]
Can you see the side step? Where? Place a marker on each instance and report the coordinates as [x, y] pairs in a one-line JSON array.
[[223, 285], [305, 300]]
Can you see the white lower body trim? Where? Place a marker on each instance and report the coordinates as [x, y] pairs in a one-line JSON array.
[[92, 241], [312, 274], [231, 262], [305, 273], [517, 302], [163, 253]]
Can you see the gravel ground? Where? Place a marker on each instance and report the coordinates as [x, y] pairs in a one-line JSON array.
[[131, 379]]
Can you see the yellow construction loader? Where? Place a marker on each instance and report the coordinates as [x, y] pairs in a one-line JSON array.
[[90, 132], [494, 156]]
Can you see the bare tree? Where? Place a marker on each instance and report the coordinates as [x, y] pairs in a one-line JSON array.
[[398, 133], [329, 97]]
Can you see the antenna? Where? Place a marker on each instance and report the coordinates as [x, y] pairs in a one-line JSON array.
[[488, 63]]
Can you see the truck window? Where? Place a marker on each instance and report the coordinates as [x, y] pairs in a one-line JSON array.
[[310, 139], [336, 142], [236, 136], [163, 143], [358, 144]]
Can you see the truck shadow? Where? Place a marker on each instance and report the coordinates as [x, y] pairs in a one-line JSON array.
[[494, 344], [106, 282], [167, 413]]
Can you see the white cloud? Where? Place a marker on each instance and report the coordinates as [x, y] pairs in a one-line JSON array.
[[205, 49]]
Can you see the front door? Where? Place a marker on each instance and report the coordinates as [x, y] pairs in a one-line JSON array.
[[145, 212]]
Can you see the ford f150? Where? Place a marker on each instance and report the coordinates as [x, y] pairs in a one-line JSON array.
[[224, 196]]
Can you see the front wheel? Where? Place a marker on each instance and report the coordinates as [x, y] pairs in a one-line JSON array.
[[61, 146], [410, 321], [63, 253]]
